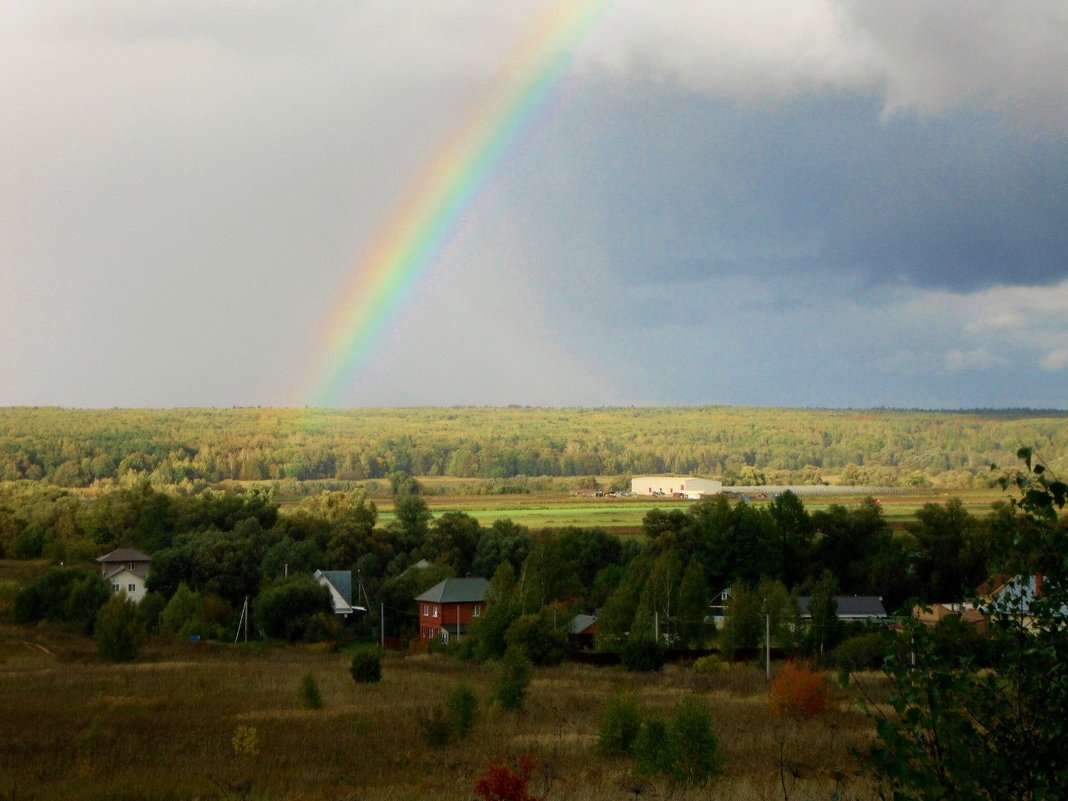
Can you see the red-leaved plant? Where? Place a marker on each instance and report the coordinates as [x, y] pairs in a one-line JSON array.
[[503, 782], [799, 691]]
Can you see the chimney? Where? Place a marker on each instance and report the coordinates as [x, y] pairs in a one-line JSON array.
[[1038, 585]]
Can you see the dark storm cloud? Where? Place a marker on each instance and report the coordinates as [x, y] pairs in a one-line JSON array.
[[784, 201], [704, 187]]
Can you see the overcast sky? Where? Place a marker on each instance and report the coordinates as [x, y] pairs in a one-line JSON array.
[[788, 203]]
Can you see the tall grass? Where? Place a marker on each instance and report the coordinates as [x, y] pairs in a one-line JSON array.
[[165, 727]]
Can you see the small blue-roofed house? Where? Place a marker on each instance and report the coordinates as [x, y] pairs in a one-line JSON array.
[[339, 583]]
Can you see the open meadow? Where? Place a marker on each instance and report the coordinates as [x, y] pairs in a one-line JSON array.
[[624, 515], [213, 721]]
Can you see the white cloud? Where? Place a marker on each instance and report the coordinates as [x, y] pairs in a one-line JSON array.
[[1055, 360], [772, 47], [1018, 311], [977, 359], [1006, 57]]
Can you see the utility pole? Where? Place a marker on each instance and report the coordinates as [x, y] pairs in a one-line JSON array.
[[767, 646], [242, 620]]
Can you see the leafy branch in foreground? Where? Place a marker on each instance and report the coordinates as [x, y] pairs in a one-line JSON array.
[[981, 716]]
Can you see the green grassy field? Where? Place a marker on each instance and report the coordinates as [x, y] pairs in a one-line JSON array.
[[164, 728], [624, 515]]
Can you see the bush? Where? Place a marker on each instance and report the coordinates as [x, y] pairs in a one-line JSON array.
[[310, 697], [695, 752], [322, 627], [245, 742], [513, 678], [183, 607], [540, 640], [286, 608], [119, 630], [643, 654], [84, 600], [618, 724], [48, 597], [799, 691], [707, 664], [651, 749], [507, 783], [366, 667], [150, 609], [463, 709], [436, 727], [685, 750], [865, 652]]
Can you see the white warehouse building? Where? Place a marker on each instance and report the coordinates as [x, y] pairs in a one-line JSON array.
[[670, 485]]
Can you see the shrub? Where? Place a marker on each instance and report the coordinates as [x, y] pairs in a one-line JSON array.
[[543, 643], [285, 609], [864, 652], [28, 544], [366, 667], [322, 627], [150, 609], [707, 664], [685, 749], [643, 654], [245, 742], [119, 631], [182, 608], [513, 678], [310, 697], [49, 596], [84, 600], [799, 691], [503, 782], [436, 727], [695, 751], [619, 723], [651, 749], [463, 709]]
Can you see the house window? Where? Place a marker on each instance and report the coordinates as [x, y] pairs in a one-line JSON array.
[[132, 587], [476, 611], [435, 610], [114, 587], [426, 610], [129, 565]]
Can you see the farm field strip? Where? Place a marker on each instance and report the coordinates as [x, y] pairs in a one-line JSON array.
[[554, 511]]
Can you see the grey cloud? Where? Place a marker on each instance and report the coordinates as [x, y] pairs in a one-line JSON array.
[[694, 187], [1004, 57]]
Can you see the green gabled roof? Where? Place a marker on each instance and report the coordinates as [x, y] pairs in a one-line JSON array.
[[456, 591]]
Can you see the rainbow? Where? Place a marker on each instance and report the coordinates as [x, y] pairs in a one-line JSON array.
[[415, 233]]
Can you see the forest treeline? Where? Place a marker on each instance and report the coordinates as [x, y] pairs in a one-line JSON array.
[[212, 549], [75, 448]]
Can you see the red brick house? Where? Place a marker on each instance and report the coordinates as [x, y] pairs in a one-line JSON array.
[[449, 607]]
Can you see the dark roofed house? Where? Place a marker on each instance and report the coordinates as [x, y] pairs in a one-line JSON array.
[[125, 571], [582, 630], [449, 607], [339, 583], [850, 607]]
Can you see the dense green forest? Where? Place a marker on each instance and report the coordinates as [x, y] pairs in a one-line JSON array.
[[75, 448], [224, 546]]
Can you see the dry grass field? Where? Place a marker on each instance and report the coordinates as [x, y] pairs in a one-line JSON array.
[[73, 727]]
